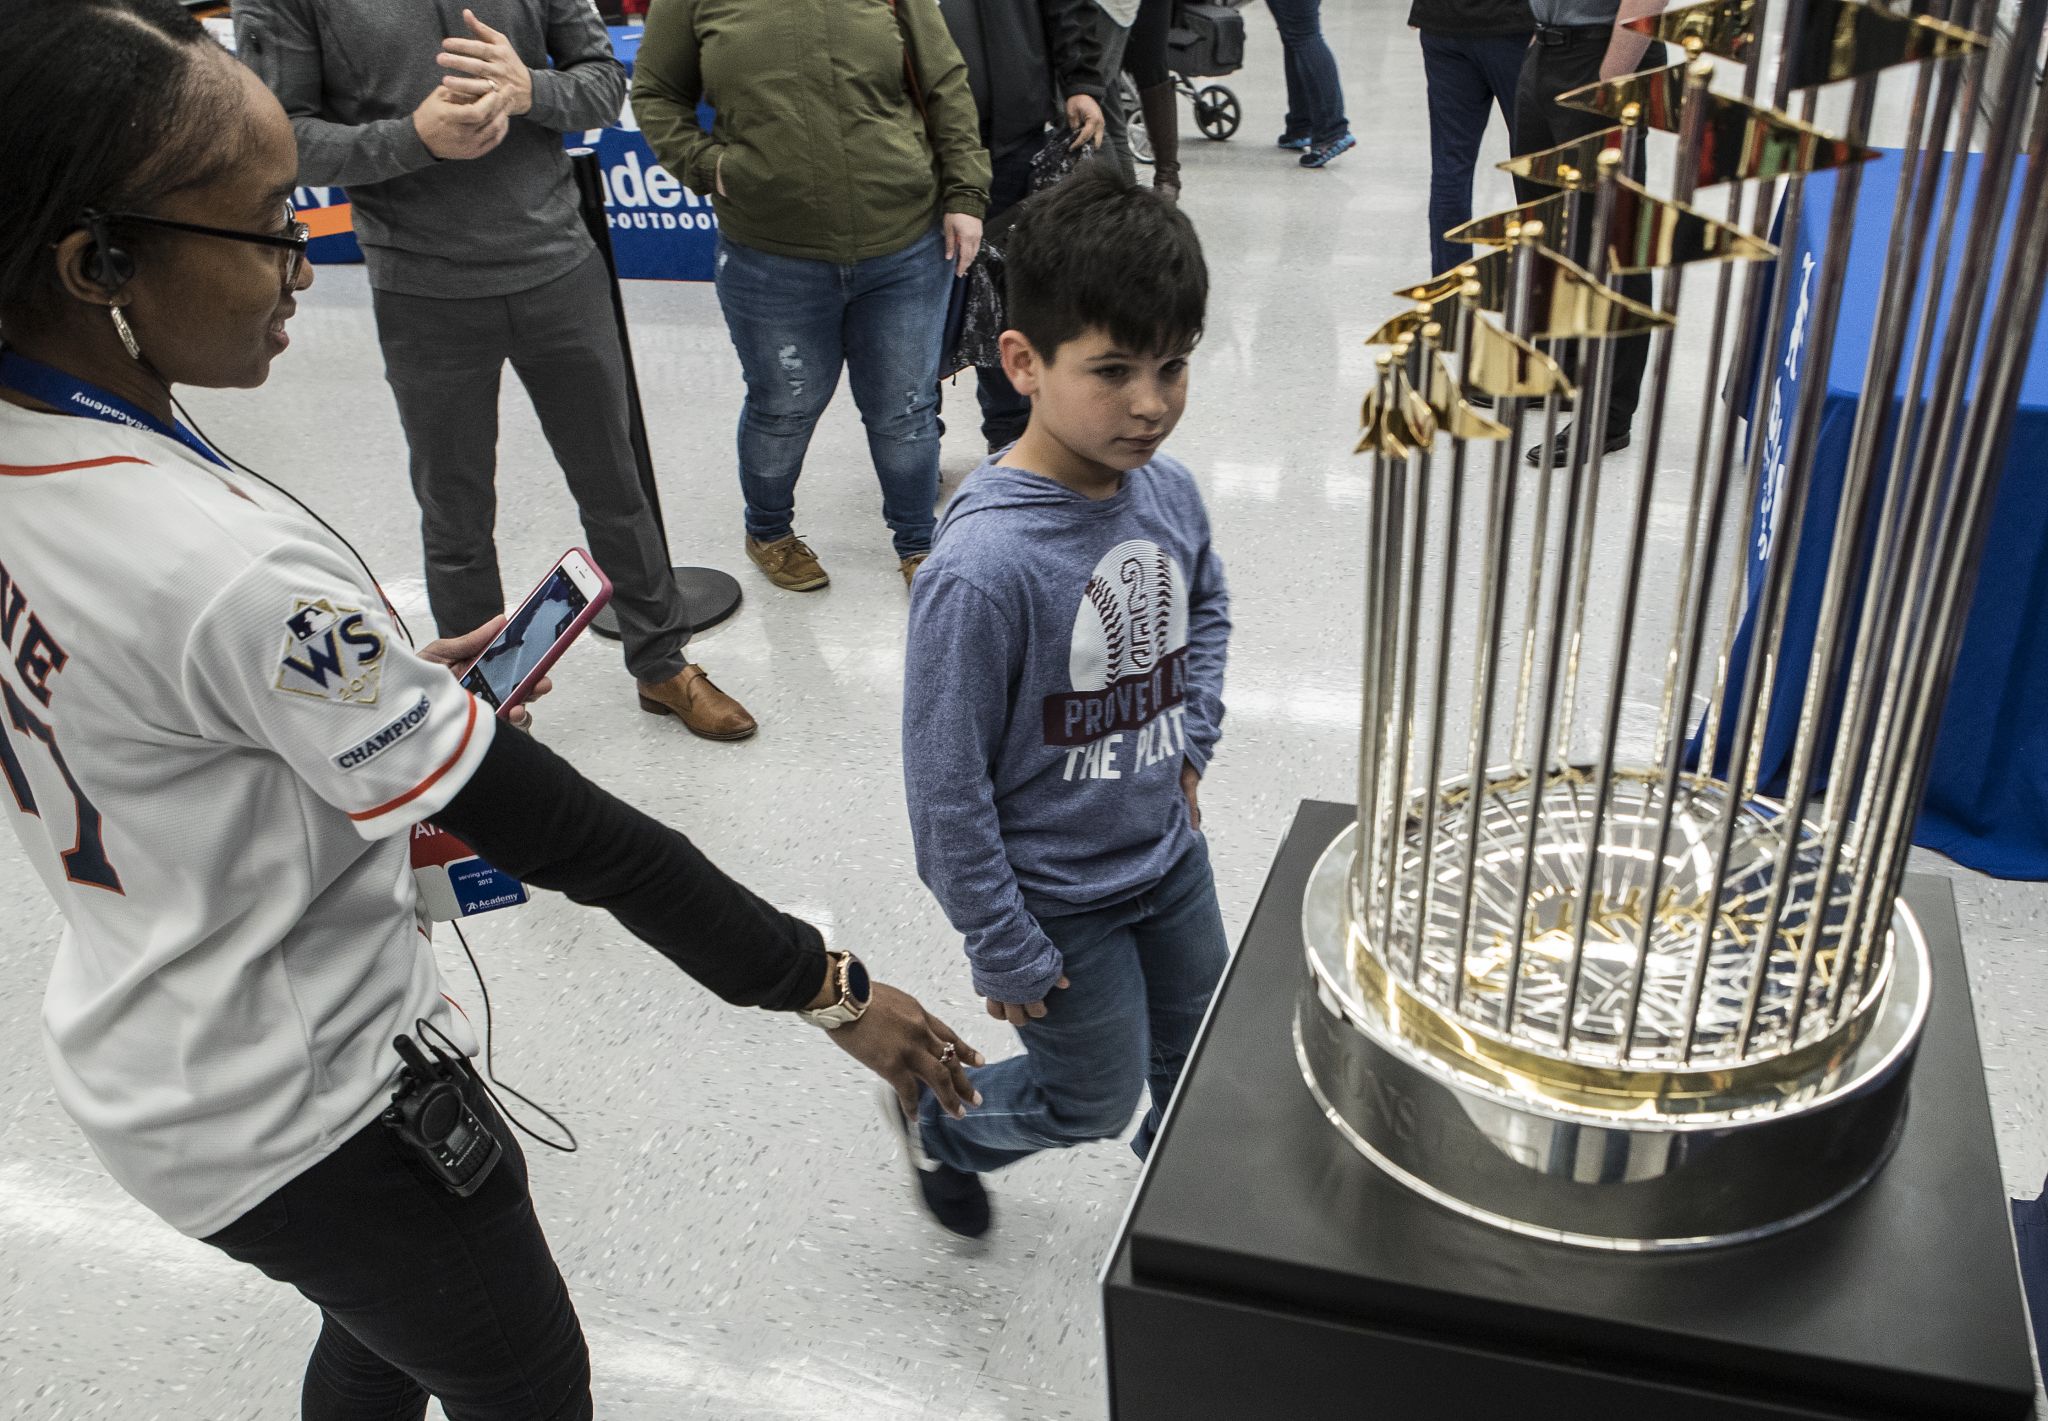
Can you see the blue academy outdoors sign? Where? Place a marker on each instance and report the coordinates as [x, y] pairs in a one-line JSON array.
[[661, 231]]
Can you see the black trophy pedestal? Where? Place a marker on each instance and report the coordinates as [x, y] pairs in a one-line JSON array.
[[1268, 1272], [710, 596]]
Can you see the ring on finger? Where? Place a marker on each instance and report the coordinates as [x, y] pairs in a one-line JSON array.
[[949, 1054]]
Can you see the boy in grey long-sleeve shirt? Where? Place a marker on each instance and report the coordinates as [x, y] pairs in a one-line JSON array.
[[1063, 696], [445, 124]]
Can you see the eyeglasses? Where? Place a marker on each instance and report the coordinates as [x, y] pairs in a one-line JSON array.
[[292, 239]]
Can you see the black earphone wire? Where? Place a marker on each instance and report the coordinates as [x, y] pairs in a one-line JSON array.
[[490, 1076]]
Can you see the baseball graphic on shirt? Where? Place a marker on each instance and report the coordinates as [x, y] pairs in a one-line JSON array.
[[1133, 614]]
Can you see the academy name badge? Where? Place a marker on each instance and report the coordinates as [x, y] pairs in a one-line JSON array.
[[330, 654]]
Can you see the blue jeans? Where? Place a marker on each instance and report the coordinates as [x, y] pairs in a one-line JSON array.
[[1141, 976], [1468, 76], [795, 323], [1315, 95]]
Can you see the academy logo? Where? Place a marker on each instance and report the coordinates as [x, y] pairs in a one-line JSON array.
[[330, 654]]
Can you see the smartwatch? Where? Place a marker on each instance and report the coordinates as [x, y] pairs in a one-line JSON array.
[[850, 976]]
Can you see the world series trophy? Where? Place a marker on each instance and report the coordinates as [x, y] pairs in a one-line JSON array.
[[1573, 971]]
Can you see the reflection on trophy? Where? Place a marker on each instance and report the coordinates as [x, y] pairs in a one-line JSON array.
[[1578, 969]]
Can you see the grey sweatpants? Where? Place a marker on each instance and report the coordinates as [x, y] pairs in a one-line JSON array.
[[444, 359]]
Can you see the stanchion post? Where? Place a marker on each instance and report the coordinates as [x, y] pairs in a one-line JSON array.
[[709, 596]]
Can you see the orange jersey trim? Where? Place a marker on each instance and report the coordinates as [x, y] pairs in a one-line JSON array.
[[431, 780], [29, 471]]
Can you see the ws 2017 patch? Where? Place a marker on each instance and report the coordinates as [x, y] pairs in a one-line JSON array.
[[330, 654]]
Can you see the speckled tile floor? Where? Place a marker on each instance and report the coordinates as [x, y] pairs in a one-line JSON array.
[[739, 1241]]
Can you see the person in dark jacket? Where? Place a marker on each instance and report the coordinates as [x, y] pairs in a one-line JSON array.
[[1031, 64], [1472, 52]]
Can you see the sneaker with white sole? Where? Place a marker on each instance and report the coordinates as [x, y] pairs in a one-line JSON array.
[[953, 1197]]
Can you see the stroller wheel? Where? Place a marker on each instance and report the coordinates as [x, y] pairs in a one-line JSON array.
[[1217, 112], [1125, 95]]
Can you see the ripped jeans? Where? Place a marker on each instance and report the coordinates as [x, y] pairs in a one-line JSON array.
[[795, 322]]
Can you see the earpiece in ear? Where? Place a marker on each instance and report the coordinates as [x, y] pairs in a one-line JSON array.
[[108, 266]]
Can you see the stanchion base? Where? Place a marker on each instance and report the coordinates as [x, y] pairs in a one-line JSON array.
[[710, 595]]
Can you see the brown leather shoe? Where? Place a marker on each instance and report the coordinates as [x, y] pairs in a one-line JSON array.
[[909, 566], [705, 710], [789, 563]]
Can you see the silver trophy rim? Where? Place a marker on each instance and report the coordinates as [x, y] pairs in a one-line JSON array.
[[1888, 1045]]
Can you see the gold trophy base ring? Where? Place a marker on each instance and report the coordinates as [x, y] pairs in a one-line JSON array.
[[1641, 1181]]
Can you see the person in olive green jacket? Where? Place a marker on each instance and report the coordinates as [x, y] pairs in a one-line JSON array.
[[846, 202]]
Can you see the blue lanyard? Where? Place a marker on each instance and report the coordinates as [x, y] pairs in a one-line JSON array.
[[69, 395]]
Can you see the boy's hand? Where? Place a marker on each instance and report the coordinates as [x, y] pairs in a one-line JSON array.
[[1016, 1013], [1191, 786], [906, 1046]]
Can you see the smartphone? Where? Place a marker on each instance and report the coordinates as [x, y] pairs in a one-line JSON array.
[[538, 633]]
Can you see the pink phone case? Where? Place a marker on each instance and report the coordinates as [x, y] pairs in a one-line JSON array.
[[554, 653]]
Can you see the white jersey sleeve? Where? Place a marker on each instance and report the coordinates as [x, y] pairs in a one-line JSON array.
[[297, 657]]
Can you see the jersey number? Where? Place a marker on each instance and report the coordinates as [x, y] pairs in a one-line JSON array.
[[86, 860]]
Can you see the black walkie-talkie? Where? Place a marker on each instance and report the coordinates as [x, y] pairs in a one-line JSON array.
[[430, 1111]]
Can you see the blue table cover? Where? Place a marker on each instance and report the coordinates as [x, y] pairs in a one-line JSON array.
[[1987, 798], [660, 230]]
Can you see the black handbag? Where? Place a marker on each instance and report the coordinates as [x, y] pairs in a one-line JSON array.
[[975, 312]]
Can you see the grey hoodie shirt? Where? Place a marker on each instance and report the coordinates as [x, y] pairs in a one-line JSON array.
[[349, 74], [1065, 658]]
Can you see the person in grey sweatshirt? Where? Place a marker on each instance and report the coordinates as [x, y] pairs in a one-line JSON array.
[[1063, 697], [445, 125]]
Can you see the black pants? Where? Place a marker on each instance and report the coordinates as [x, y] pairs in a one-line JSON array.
[[1145, 53], [1004, 412], [421, 1293], [1541, 122]]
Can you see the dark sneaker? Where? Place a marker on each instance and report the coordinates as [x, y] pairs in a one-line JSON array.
[[953, 1197], [1296, 142], [1322, 155], [1561, 448]]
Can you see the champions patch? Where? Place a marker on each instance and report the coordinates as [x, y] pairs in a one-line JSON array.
[[330, 654], [359, 755]]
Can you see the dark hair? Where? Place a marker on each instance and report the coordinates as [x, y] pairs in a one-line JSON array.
[[107, 105], [1097, 250]]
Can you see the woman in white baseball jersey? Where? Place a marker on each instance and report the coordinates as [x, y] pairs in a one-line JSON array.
[[214, 742]]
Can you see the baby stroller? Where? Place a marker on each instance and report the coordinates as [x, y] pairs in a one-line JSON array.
[[1206, 41]]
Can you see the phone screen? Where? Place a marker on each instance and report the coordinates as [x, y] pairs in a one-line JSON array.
[[535, 627]]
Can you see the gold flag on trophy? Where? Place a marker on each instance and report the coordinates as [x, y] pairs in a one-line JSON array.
[[1650, 233], [1454, 415], [1568, 165], [1397, 421], [1567, 302], [1738, 140], [1723, 27], [1847, 39], [1498, 229], [1507, 367]]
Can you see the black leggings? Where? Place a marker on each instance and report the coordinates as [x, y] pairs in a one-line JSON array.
[[421, 1293], [1145, 53]]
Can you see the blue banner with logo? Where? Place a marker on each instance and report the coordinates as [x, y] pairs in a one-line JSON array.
[[661, 231], [1987, 795]]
